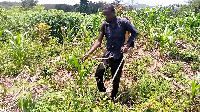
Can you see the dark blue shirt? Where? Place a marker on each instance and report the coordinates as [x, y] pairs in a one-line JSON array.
[[115, 36]]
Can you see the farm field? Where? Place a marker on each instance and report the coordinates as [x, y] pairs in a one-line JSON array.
[[41, 67]]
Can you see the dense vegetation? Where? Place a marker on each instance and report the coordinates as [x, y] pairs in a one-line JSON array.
[[45, 48], [88, 7]]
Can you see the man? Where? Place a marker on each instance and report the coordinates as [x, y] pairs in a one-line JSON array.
[[114, 29]]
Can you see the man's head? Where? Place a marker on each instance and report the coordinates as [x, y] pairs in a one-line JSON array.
[[109, 12]]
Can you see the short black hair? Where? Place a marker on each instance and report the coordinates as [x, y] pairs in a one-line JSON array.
[[109, 7]]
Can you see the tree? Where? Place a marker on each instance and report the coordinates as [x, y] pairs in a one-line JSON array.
[[94, 7], [64, 7], [84, 2], [117, 1], [88, 7], [29, 3], [83, 6], [195, 5]]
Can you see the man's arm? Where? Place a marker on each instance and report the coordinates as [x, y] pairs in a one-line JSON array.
[[98, 41], [132, 30]]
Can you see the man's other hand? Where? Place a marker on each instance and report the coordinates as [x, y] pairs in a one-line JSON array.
[[125, 48]]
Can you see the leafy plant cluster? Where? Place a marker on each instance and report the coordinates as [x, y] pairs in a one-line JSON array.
[[159, 26]]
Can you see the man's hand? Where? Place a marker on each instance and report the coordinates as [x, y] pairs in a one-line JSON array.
[[125, 48], [85, 57]]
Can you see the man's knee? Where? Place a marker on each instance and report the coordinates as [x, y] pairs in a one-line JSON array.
[[99, 72]]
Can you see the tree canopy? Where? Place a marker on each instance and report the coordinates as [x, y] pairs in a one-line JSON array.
[[29, 3]]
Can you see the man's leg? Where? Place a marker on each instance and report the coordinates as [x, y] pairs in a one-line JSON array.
[[116, 81], [99, 76]]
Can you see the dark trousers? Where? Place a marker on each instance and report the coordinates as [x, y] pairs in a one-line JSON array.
[[113, 63]]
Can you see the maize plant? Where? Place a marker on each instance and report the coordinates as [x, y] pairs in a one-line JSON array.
[[17, 50]]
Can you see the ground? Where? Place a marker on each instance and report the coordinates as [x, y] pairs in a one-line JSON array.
[[12, 85]]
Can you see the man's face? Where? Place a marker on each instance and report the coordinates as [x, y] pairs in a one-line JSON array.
[[109, 15]]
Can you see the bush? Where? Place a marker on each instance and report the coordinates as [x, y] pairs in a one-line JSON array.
[[171, 68]]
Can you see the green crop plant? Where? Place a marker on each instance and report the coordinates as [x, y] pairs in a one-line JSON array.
[[1, 35], [164, 39], [17, 49], [96, 22], [83, 68], [25, 101], [194, 88], [70, 35]]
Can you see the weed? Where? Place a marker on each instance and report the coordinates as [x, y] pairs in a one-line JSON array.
[[46, 71], [171, 68]]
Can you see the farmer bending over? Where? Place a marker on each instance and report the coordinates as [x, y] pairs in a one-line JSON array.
[[114, 29]]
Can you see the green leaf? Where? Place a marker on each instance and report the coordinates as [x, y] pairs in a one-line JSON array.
[[76, 63], [1, 33], [197, 86], [85, 62], [193, 88], [20, 102], [188, 81], [18, 39]]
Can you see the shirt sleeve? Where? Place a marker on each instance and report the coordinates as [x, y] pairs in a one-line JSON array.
[[132, 30]]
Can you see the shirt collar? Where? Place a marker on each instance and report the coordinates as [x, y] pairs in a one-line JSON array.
[[116, 20]]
